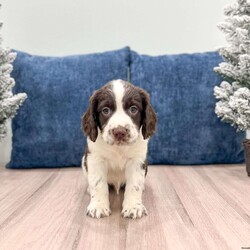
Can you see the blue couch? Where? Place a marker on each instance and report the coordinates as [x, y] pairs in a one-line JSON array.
[[47, 130]]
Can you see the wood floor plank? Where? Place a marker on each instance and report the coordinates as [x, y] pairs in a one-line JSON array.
[[224, 225], [234, 187], [17, 187], [198, 207], [47, 216]]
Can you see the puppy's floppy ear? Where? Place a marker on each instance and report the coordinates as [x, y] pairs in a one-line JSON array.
[[89, 123], [149, 117]]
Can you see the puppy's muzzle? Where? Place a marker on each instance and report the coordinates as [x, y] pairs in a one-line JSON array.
[[120, 134]]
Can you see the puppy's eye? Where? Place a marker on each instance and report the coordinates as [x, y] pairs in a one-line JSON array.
[[106, 111], [133, 109]]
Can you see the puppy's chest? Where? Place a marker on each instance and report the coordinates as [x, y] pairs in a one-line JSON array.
[[116, 158], [116, 163]]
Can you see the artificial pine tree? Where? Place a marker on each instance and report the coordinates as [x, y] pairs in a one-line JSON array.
[[234, 92], [9, 103]]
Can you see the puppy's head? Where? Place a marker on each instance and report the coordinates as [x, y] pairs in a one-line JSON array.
[[119, 111]]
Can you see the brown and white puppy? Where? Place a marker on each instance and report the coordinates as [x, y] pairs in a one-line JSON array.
[[118, 124]]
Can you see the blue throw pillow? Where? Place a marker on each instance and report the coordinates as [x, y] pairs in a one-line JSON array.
[[181, 89], [47, 130]]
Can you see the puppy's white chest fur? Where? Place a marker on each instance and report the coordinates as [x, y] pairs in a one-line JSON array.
[[117, 158]]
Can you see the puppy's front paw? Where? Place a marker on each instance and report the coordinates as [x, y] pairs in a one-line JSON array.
[[134, 211], [98, 210]]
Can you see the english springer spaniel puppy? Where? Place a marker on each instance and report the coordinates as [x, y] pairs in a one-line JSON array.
[[118, 123]]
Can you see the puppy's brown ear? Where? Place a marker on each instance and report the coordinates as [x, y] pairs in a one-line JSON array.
[[149, 117], [89, 124]]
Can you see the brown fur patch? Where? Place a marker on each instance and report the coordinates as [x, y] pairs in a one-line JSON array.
[[85, 163], [146, 117], [93, 118], [145, 167]]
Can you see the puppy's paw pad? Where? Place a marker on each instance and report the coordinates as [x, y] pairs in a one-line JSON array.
[[134, 211], [96, 210]]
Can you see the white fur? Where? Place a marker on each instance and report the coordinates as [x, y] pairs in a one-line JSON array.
[[116, 164]]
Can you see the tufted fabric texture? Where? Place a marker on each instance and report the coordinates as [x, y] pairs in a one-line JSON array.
[[181, 89], [47, 130]]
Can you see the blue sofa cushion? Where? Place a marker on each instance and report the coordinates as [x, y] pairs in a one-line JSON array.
[[181, 89], [47, 130]]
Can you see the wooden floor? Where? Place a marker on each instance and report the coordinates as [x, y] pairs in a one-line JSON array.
[[199, 207]]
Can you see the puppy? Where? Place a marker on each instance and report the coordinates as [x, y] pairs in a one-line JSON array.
[[118, 123]]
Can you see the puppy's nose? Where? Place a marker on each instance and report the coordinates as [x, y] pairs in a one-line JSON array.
[[120, 133]]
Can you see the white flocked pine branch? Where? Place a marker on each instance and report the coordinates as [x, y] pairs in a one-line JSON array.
[[9, 103], [233, 94]]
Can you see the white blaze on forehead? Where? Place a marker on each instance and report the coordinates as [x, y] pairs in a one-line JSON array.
[[118, 88], [119, 117]]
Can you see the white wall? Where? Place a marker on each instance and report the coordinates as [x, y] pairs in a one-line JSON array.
[[61, 27]]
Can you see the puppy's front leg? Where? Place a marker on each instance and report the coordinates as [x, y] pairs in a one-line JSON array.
[[98, 188], [132, 204]]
